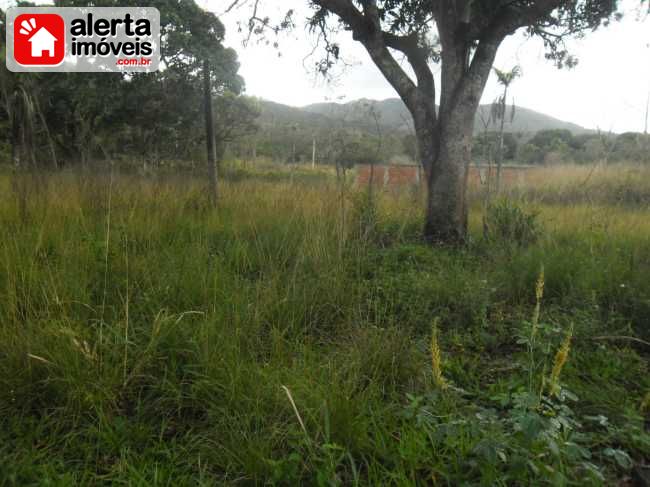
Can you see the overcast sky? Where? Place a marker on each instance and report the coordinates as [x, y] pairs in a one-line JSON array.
[[608, 89]]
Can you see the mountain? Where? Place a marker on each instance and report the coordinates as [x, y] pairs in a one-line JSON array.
[[392, 115], [365, 130], [279, 114], [527, 121]]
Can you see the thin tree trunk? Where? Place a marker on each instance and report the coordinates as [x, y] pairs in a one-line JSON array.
[[211, 145], [15, 141], [48, 135], [313, 154], [38, 113], [500, 151]]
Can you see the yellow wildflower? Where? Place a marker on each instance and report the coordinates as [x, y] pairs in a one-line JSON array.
[[560, 359], [436, 359]]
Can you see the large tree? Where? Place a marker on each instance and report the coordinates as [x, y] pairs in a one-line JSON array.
[[60, 117], [463, 36], [196, 39]]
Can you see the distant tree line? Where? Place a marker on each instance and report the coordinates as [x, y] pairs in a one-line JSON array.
[[58, 119], [290, 142], [293, 143], [555, 146]]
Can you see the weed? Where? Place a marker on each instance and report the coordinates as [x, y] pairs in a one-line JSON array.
[[436, 360], [509, 224]]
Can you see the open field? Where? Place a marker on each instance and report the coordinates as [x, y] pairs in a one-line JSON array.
[[301, 333]]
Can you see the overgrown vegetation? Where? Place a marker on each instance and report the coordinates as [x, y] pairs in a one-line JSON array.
[[148, 340]]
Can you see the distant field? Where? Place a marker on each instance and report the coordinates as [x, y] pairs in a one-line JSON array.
[[615, 184], [302, 333]]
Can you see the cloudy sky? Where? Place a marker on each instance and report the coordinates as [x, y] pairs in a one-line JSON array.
[[608, 90]]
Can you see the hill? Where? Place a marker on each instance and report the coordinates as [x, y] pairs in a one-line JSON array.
[[393, 116], [354, 130]]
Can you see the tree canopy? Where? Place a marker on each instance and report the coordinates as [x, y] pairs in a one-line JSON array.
[[463, 36], [155, 116]]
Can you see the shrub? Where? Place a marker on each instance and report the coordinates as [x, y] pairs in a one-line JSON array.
[[507, 222], [365, 217]]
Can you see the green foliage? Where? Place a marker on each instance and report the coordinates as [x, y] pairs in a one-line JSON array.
[[485, 144], [150, 344], [531, 154], [365, 215], [234, 117], [150, 117], [561, 146], [507, 222], [337, 141], [551, 139]]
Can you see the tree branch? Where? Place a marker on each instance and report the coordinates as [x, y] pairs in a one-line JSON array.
[[366, 28], [418, 58], [489, 34]]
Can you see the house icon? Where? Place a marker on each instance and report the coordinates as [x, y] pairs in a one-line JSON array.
[[42, 41]]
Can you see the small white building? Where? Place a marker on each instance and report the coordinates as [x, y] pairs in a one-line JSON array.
[[43, 41]]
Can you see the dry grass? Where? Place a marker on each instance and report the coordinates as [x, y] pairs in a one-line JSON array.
[[620, 184]]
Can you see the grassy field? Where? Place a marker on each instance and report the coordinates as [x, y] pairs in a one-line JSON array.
[[302, 333]]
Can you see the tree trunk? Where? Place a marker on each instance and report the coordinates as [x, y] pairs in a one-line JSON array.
[[444, 148], [444, 138], [446, 210], [211, 145]]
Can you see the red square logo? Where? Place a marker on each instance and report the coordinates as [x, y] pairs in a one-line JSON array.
[[39, 40]]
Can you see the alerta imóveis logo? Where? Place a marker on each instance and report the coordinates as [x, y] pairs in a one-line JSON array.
[[84, 39]]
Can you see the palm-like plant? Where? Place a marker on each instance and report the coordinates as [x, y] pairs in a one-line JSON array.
[[498, 113]]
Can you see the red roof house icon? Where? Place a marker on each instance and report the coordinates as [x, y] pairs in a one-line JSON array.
[[42, 41], [39, 39]]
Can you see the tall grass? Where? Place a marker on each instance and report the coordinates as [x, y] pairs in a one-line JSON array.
[[601, 184], [147, 339]]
